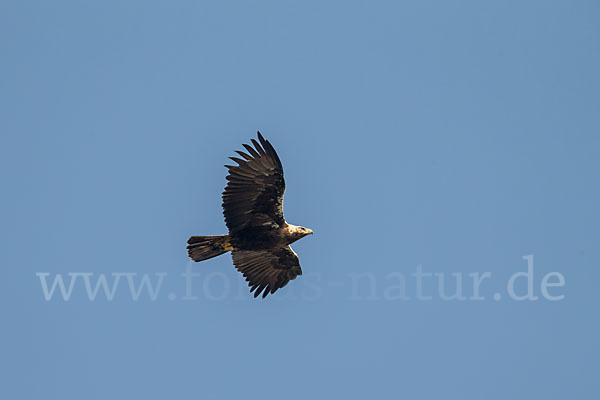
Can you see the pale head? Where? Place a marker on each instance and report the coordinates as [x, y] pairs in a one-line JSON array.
[[297, 232]]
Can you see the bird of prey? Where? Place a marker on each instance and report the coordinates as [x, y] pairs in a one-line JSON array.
[[259, 237]]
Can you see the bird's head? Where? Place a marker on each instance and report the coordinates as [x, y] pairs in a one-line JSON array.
[[298, 232], [306, 231]]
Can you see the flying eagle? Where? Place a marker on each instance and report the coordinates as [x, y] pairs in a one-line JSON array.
[[259, 237]]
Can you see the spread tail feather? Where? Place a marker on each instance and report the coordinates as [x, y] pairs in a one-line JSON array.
[[204, 247]]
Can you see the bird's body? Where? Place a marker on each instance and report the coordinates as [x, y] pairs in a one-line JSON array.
[[259, 237], [262, 238]]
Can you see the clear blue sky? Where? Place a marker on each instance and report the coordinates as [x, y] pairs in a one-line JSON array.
[[456, 136]]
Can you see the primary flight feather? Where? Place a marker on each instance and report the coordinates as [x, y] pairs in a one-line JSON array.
[[259, 237]]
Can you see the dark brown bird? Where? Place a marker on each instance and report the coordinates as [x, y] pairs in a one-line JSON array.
[[259, 237]]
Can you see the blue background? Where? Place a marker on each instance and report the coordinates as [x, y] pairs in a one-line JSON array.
[[460, 136]]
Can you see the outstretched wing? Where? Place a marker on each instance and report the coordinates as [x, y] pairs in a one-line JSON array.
[[254, 192], [267, 270]]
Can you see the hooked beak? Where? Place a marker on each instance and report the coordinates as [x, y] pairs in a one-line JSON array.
[[310, 232]]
